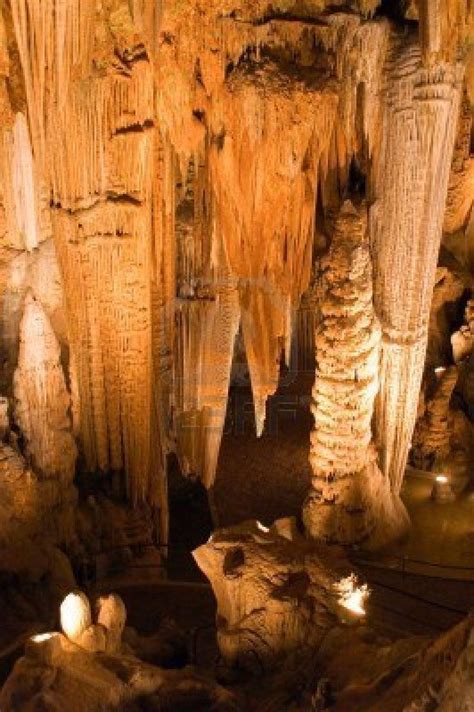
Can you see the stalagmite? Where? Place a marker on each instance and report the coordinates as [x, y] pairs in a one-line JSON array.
[[76, 615], [351, 500], [42, 401], [431, 439]]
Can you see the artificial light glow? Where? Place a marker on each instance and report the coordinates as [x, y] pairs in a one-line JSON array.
[[43, 637], [439, 370], [442, 479], [351, 596], [262, 528]]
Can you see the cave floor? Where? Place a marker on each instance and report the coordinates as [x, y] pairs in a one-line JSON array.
[[441, 534], [276, 464]]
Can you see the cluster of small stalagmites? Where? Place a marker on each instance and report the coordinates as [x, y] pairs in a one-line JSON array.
[[105, 634]]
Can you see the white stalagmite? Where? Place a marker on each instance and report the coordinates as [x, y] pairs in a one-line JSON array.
[[42, 400], [76, 615]]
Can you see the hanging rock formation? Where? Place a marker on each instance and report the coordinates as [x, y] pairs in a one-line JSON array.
[[420, 108]]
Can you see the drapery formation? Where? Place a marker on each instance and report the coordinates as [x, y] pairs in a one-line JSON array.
[[421, 106]]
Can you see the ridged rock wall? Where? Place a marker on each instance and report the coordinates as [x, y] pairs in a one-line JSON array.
[[421, 105]]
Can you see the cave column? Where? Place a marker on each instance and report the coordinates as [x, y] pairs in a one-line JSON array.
[[410, 181]]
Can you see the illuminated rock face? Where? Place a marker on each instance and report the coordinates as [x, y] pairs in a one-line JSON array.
[[172, 164], [420, 108], [42, 401], [275, 593]]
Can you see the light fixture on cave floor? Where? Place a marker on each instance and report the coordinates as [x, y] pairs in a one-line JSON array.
[[42, 637], [351, 596], [442, 491], [440, 370], [44, 646], [262, 527]]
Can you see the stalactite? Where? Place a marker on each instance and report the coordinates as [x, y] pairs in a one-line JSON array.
[[110, 335], [23, 184], [266, 210], [206, 332], [410, 184], [350, 500]]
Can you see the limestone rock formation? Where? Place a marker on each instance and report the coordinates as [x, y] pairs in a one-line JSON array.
[[463, 340], [404, 675], [55, 674], [450, 291], [350, 497], [176, 167], [277, 603], [42, 401], [34, 513], [432, 436], [275, 593]]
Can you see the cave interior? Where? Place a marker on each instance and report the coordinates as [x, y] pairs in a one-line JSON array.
[[236, 355]]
